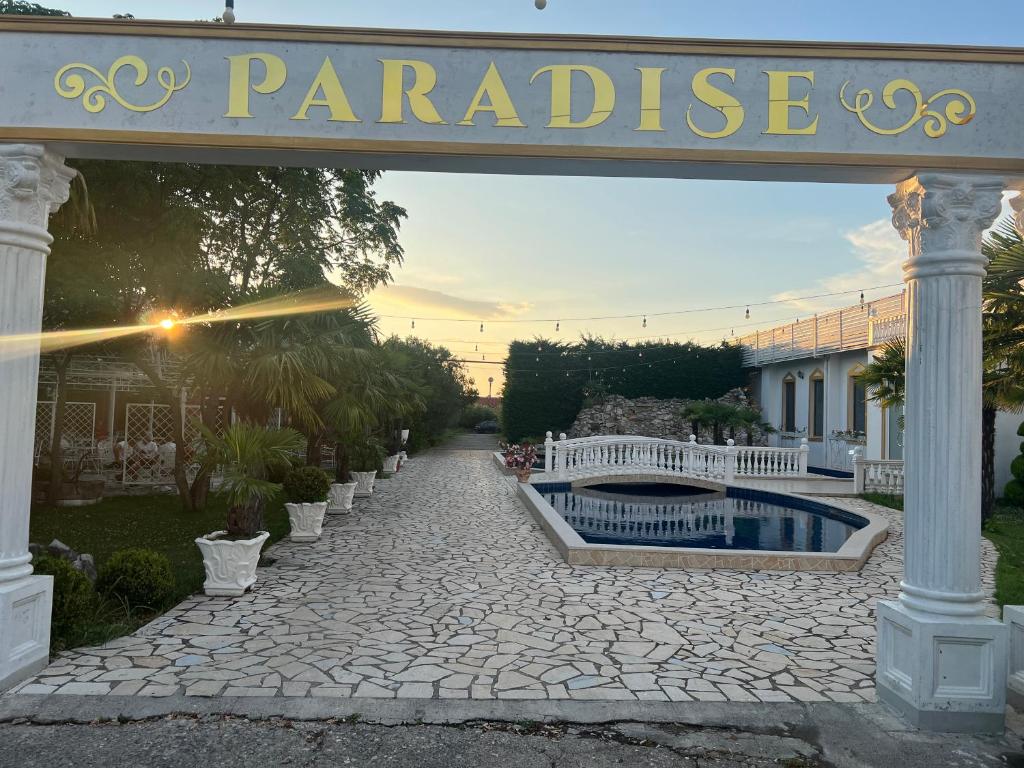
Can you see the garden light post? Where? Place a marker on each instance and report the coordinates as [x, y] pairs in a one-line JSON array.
[[33, 184]]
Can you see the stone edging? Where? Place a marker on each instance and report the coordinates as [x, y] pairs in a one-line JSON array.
[[851, 556]]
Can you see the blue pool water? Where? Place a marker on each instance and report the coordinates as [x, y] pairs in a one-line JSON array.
[[662, 515]]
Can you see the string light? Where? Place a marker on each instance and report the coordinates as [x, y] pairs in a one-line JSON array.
[[748, 313], [481, 327], [862, 298], [414, 325], [641, 315], [558, 327]]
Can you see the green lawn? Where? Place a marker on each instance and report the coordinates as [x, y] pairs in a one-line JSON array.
[[1005, 530], [154, 522]]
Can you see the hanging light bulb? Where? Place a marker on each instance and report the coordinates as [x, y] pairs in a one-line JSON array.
[[748, 313], [229, 12], [540, 5], [538, 359], [414, 325], [483, 357], [481, 327], [862, 298], [641, 354], [645, 321], [558, 326], [476, 347], [732, 332]]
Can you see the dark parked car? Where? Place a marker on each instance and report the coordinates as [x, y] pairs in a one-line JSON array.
[[489, 427]]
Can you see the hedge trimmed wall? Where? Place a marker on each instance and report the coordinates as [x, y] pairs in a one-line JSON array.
[[547, 382]]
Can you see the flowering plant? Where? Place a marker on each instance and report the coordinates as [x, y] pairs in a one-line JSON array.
[[849, 434], [520, 456]]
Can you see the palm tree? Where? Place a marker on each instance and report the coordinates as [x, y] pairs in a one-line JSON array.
[[710, 413], [885, 376], [751, 420], [249, 455], [1003, 351]]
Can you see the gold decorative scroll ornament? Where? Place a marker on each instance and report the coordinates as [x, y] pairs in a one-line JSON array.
[[960, 109], [70, 83]]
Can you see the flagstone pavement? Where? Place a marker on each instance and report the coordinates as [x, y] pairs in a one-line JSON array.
[[442, 586]]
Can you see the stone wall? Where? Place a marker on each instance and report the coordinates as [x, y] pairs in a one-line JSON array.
[[650, 417]]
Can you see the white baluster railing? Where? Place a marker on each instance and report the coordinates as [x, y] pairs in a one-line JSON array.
[[623, 455], [877, 475]]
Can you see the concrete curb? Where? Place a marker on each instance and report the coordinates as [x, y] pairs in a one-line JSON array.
[[53, 708]]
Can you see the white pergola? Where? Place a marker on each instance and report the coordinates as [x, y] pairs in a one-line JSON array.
[[946, 139]]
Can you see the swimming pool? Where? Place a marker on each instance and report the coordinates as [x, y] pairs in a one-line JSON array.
[[648, 522], [662, 515]]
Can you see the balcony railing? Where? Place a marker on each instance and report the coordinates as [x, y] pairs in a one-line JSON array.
[[846, 329]]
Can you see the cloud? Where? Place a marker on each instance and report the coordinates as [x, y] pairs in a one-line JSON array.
[[412, 301], [880, 252]]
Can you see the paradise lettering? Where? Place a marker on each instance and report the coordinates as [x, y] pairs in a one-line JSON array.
[[406, 86]]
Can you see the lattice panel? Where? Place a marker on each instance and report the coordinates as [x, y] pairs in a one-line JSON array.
[[79, 425], [147, 424], [44, 426]]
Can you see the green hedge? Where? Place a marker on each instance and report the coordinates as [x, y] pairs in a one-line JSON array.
[[546, 382]]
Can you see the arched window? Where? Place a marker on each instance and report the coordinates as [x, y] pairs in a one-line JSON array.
[[816, 405], [789, 403], [857, 402]]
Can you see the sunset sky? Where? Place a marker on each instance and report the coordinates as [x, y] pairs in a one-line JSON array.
[[504, 248]]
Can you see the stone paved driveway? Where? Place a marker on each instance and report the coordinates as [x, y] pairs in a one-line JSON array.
[[441, 585]]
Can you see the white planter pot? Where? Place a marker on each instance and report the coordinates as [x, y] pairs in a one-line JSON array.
[[307, 520], [340, 498], [364, 482], [230, 565], [391, 464]]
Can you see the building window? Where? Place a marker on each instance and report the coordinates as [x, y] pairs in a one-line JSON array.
[[816, 422], [789, 403], [858, 410]]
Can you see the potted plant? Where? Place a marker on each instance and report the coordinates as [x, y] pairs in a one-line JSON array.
[[306, 490], [393, 460], [520, 459], [367, 461], [247, 454], [339, 498]]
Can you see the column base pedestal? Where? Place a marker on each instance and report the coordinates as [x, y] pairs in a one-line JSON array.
[[25, 607], [942, 673]]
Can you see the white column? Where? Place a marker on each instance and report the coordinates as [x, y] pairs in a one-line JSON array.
[[940, 660], [33, 184]]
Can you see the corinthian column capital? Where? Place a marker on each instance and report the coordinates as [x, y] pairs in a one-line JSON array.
[[942, 217], [34, 183]]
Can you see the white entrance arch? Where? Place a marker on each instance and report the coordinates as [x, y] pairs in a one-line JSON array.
[[941, 123]]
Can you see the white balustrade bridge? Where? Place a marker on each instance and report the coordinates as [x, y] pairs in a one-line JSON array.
[[620, 455]]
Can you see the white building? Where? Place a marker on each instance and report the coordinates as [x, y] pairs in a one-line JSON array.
[[806, 383]]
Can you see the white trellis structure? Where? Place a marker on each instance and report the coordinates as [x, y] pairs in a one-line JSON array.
[[79, 425], [154, 423]]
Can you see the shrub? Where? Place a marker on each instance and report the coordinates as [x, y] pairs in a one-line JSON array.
[[1014, 490], [139, 578], [74, 600], [474, 414], [306, 485], [368, 456]]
